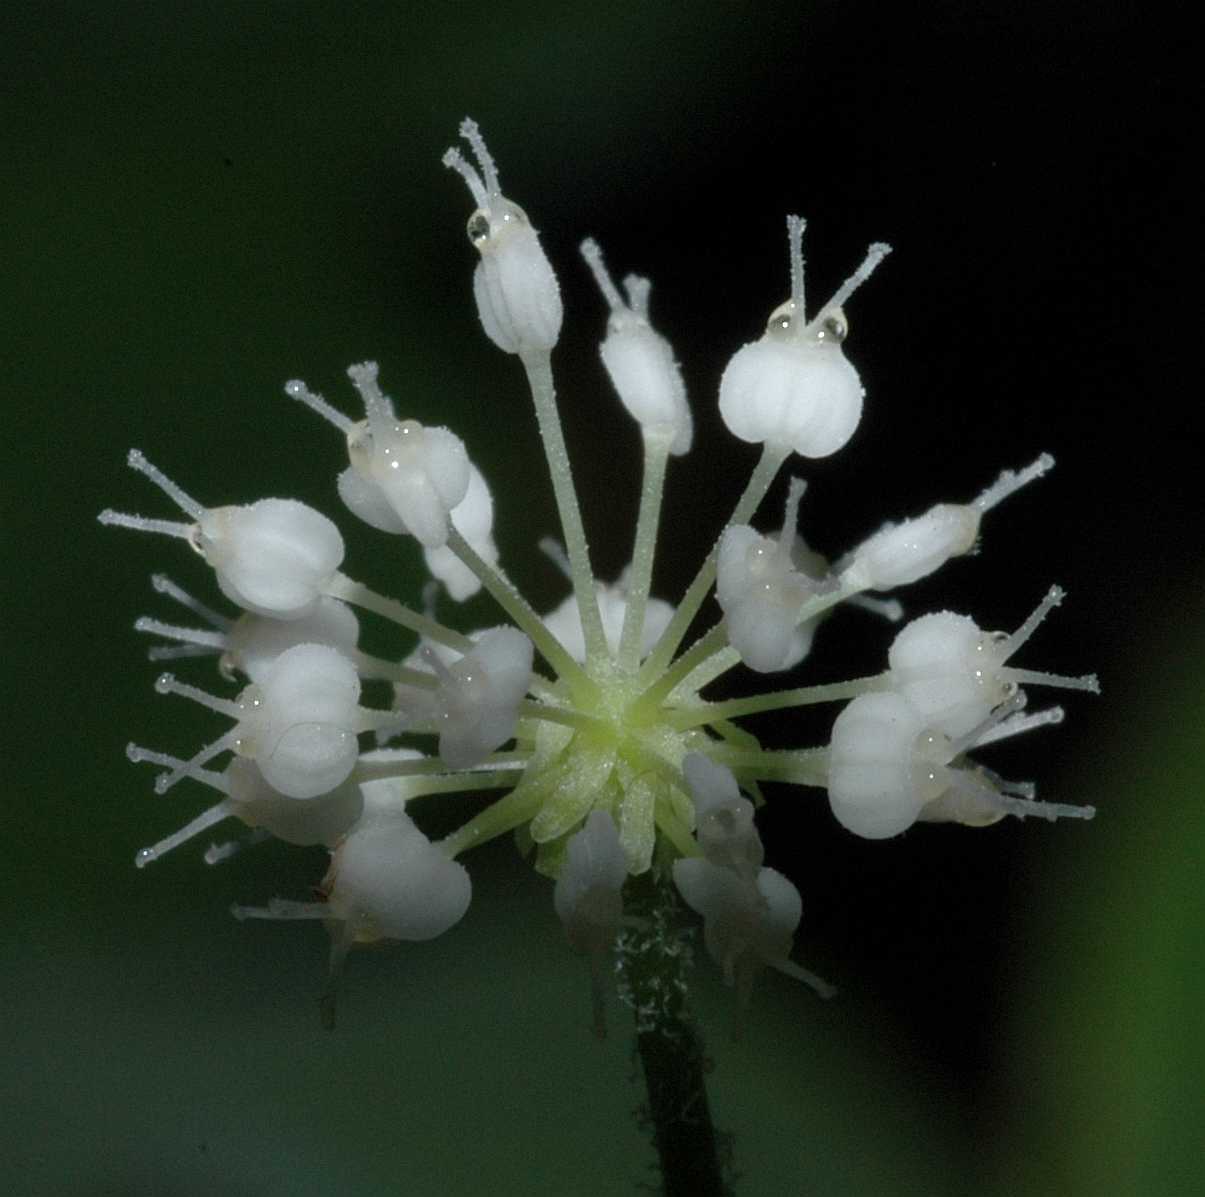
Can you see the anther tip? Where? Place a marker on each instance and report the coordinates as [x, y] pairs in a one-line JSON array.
[[144, 856], [164, 682]]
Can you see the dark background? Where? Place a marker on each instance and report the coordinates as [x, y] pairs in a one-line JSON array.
[[202, 200]]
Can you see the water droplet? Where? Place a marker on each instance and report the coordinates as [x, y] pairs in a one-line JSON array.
[[164, 683], [479, 228], [144, 856], [782, 319], [834, 328]]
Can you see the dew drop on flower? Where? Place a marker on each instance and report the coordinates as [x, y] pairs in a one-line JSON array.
[[479, 228]]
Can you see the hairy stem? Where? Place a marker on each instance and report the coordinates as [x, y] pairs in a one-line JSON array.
[[654, 962]]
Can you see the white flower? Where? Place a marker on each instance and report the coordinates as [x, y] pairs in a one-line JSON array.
[[723, 819], [639, 360], [565, 622], [604, 759], [888, 768], [250, 643], [954, 674], [473, 518], [517, 295], [588, 896], [795, 387], [901, 553], [299, 724], [762, 593], [403, 477], [274, 557], [476, 704]]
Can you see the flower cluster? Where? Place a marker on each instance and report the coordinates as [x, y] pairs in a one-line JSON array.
[[590, 722]]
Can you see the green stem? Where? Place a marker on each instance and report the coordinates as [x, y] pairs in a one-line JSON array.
[[539, 377], [763, 475], [802, 766], [566, 716], [656, 455], [517, 607], [756, 704], [350, 591], [702, 650]]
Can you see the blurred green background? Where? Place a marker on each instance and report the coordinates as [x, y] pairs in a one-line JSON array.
[[203, 200]]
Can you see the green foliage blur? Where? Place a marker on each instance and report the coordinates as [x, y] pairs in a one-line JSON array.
[[204, 200]]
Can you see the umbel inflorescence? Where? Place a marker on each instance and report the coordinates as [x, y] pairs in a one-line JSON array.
[[588, 725]]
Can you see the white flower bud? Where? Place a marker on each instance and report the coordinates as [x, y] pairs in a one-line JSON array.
[[588, 895], [473, 518], [476, 704], [761, 593], [901, 553], [565, 621], [517, 295], [724, 823], [955, 674], [274, 557], [794, 387], [639, 360]]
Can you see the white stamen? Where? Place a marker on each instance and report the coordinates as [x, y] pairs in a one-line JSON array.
[[296, 389], [205, 820], [136, 460], [472, 134], [594, 259], [140, 523], [1017, 724], [874, 255], [795, 227], [1011, 481], [164, 585], [166, 683]]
